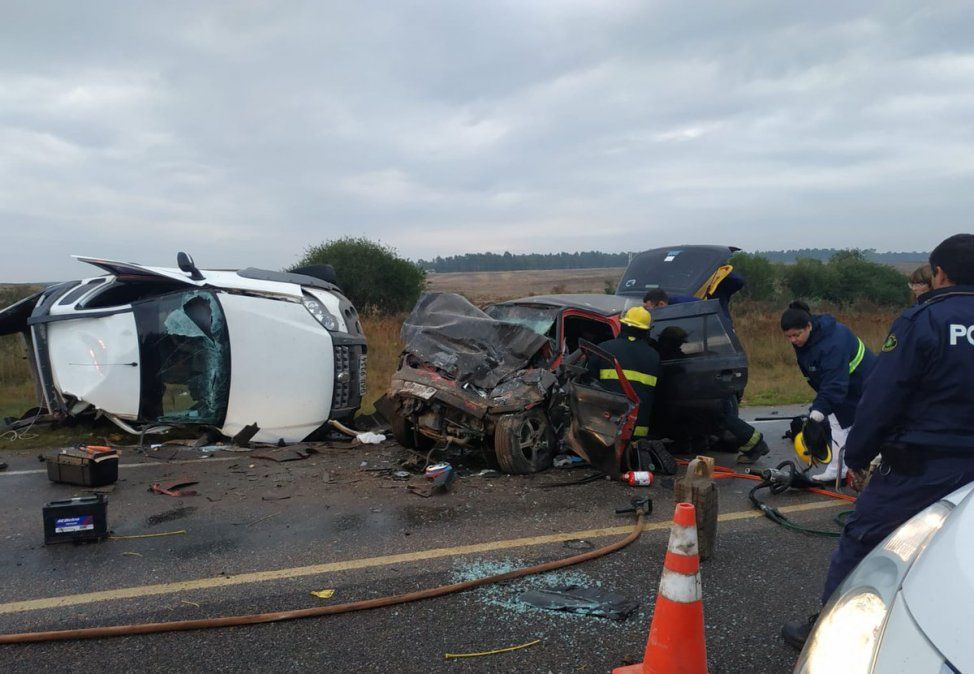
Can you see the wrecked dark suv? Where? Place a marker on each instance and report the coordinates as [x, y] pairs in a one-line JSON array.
[[469, 379], [702, 364], [459, 382]]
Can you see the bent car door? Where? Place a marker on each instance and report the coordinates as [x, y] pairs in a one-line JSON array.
[[602, 422]]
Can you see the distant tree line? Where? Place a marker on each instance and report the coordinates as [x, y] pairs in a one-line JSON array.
[[510, 262], [825, 254], [593, 259]]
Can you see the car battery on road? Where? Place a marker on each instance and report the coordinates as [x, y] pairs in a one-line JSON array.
[[80, 519], [86, 466]]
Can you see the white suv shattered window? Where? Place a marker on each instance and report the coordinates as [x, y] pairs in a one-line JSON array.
[[185, 358]]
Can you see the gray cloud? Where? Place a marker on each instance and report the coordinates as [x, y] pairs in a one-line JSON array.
[[243, 132]]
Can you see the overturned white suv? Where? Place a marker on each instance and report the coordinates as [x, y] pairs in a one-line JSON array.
[[224, 349]]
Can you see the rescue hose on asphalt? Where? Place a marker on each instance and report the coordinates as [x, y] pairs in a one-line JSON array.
[[279, 616]]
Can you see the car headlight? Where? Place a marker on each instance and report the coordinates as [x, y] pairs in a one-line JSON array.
[[320, 313], [849, 630], [845, 637]]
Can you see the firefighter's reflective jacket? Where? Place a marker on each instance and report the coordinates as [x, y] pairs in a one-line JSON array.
[[640, 365]]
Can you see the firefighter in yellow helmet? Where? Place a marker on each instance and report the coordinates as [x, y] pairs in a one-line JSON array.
[[639, 362]]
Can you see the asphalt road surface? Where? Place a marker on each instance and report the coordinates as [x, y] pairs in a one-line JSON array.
[[261, 536]]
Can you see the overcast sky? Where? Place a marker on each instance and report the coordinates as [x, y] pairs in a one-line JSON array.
[[241, 132]]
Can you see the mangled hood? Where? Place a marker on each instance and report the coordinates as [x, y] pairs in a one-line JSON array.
[[449, 333]]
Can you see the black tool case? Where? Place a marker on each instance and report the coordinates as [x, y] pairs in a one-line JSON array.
[[86, 467], [80, 519]]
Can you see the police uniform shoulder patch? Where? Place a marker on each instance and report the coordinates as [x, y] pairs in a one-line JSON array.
[[890, 343]]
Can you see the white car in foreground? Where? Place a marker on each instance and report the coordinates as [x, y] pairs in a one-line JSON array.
[[908, 607], [217, 348]]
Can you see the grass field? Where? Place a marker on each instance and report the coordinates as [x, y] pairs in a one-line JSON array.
[[773, 376]]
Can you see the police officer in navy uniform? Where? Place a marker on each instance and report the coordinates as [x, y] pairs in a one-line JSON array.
[[639, 362], [917, 410]]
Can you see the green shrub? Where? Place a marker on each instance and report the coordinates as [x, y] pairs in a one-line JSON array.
[[847, 278], [370, 274], [759, 276], [810, 279], [857, 279]]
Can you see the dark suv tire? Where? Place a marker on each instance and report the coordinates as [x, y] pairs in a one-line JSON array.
[[524, 442]]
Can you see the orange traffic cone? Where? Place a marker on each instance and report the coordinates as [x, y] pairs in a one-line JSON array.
[[676, 639]]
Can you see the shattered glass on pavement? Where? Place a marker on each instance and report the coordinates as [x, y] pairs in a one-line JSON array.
[[506, 595]]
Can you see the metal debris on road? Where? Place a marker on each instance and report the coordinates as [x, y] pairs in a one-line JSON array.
[[172, 487], [133, 537], [581, 600]]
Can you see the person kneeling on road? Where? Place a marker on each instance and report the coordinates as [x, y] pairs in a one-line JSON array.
[[836, 364], [926, 440], [639, 362]]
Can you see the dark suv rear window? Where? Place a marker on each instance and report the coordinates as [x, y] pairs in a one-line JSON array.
[[691, 337]]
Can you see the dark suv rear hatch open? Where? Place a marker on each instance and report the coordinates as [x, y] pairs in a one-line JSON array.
[[681, 270]]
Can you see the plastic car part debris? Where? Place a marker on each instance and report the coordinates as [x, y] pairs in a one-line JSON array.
[[242, 439], [578, 544], [172, 488], [582, 601], [440, 483], [567, 461], [370, 438]]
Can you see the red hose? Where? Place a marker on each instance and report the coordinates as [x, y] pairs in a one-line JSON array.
[[725, 472]]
